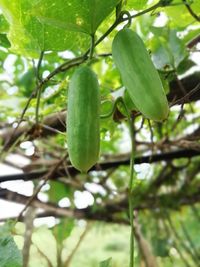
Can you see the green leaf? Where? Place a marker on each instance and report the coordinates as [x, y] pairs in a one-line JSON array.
[[3, 56], [106, 263], [136, 4], [82, 16], [4, 40], [167, 49], [37, 26], [179, 15], [27, 82], [9, 253], [63, 230], [195, 5], [58, 191], [4, 26], [161, 247], [185, 65], [143, 25], [40, 238], [191, 35], [165, 81]]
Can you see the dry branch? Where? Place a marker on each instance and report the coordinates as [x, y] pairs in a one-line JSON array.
[[57, 122], [107, 212], [61, 172]]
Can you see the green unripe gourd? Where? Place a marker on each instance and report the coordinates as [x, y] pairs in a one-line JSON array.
[[83, 119], [139, 75]]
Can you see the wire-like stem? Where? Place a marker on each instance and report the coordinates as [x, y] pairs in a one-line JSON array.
[[190, 10], [107, 115], [118, 9], [131, 180]]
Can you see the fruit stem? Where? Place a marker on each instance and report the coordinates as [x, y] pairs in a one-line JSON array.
[[92, 46], [131, 180]]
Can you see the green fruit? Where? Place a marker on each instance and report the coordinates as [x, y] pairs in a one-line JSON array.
[[139, 75], [83, 119]]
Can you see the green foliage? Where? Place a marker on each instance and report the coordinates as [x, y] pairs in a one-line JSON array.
[[53, 25], [9, 253], [4, 41], [105, 263], [58, 191], [40, 238], [179, 15], [4, 26], [167, 49], [63, 230], [135, 4]]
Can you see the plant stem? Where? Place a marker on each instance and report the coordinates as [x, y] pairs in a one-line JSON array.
[[92, 46], [131, 180], [131, 206], [107, 115], [38, 105], [40, 88]]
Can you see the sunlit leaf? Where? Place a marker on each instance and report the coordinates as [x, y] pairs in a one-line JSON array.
[[4, 26], [166, 48], [40, 238], [136, 4], [37, 26], [63, 229], [58, 191], [106, 263]]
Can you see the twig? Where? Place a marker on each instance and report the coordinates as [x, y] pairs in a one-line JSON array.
[[151, 133], [19, 122], [63, 67], [51, 129], [28, 219], [38, 215], [144, 246], [69, 259], [44, 256], [45, 178], [191, 243], [175, 243], [168, 156], [109, 209], [187, 249], [194, 15], [187, 96], [38, 67], [194, 42]]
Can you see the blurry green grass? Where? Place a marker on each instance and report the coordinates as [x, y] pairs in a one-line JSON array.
[[101, 242]]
